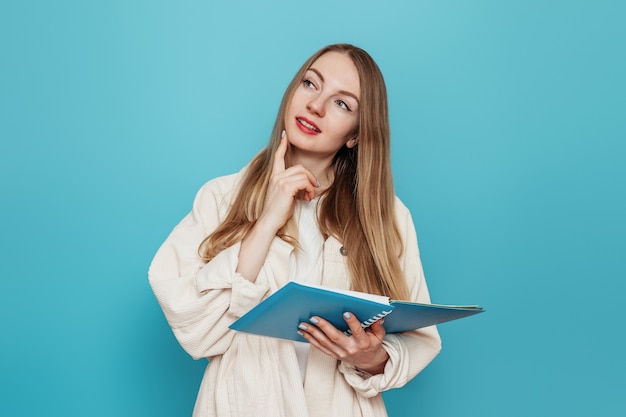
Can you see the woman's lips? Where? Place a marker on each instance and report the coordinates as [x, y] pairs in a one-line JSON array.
[[307, 126]]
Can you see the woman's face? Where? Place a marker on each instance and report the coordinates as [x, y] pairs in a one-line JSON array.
[[324, 111]]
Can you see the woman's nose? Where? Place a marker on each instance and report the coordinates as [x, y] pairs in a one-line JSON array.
[[316, 106]]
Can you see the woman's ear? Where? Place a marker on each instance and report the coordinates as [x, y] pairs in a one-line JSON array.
[[351, 143]]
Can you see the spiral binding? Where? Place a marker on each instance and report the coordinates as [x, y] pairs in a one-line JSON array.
[[367, 323]]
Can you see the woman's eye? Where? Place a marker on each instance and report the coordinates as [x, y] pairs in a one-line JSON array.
[[343, 105], [308, 83]]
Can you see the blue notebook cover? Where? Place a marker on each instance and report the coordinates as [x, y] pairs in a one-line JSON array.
[[279, 315]]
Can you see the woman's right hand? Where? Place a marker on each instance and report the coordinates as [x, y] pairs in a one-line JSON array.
[[285, 186]]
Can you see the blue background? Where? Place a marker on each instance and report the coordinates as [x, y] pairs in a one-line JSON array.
[[508, 125]]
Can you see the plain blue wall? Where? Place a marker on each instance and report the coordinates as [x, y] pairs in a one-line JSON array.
[[508, 123]]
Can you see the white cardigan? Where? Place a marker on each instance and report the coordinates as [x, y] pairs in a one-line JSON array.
[[251, 375]]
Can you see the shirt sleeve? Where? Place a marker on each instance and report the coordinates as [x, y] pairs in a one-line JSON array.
[[201, 300], [409, 352]]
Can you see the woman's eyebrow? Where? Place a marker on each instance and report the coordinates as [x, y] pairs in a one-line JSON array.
[[347, 93], [319, 74]]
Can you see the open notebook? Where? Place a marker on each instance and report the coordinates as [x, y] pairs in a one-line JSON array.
[[279, 314]]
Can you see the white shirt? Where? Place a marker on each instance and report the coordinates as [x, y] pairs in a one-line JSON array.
[[248, 374], [305, 264]]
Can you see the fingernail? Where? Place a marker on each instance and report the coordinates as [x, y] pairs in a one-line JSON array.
[[314, 320], [303, 326], [319, 184], [300, 333], [282, 134], [346, 315]]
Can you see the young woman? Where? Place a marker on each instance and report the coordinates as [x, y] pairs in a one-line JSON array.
[[316, 205]]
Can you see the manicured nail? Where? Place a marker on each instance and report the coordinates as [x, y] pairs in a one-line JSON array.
[[346, 315], [319, 184], [314, 320], [303, 326], [282, 134], [300, 333]]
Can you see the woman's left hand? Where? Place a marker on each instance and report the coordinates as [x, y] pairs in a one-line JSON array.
[[363, 349]]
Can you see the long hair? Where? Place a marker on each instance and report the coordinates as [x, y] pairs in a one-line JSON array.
[[357, 209]]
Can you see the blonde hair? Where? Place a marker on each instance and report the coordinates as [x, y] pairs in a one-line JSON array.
[[357, 209]]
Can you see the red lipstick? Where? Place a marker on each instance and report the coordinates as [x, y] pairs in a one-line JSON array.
[[307, 126]]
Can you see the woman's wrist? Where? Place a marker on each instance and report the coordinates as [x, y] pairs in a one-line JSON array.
[[377, 366], [265, 226], [254, 249]]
